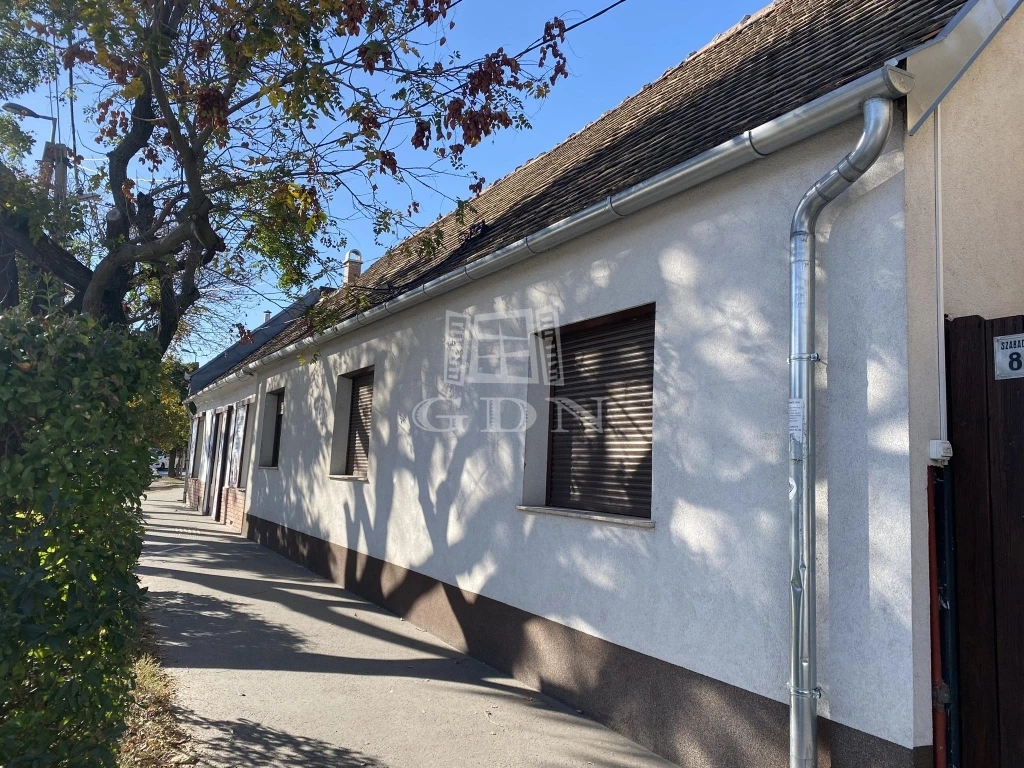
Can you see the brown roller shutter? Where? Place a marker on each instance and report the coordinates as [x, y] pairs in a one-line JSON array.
[[607, 469], [357, 455], [275, 454]]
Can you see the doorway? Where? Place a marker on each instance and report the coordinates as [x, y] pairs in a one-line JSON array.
[[209, 466], [219, 463]]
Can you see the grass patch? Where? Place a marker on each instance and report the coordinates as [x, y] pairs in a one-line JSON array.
[[153, 738]]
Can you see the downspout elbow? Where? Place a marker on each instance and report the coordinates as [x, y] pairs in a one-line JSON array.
[[877, 124]]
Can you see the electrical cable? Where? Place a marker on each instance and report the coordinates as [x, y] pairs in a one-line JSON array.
[[74, 132]]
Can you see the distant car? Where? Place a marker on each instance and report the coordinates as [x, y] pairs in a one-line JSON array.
[[159, 466]]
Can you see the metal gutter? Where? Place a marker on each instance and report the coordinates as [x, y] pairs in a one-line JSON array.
[[825, 112]]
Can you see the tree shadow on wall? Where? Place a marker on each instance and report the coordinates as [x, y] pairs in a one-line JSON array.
[[454, 479]]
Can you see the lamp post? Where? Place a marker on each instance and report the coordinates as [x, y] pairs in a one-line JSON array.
[[60, 151], [53, 168]]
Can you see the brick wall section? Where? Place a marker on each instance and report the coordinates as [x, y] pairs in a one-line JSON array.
[[193, 492], [232, 502]]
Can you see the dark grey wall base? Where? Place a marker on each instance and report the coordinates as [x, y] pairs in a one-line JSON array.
[[689, 718]]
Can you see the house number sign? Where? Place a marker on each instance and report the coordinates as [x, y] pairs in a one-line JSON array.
[[1009, 356]]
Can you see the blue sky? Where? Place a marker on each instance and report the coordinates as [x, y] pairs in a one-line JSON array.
[[610, 59]]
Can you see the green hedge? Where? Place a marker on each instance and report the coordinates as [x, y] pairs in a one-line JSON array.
[[73, 467]]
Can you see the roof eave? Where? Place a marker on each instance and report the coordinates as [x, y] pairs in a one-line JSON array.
[[812, 118]]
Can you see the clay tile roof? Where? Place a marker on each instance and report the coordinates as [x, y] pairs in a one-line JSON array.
[[786, 55]]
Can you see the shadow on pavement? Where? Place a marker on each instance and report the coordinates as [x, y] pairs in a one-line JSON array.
[[200, 631], [231, 615], [228, 743]]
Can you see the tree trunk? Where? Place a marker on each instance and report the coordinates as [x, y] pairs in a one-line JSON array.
[[35, 282]]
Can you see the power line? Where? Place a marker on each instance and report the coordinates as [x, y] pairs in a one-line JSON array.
[[537, 44]]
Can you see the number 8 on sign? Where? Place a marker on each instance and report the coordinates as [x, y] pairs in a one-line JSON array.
[[1009, 356]]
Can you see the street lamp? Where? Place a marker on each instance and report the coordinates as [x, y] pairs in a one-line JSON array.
[[23, 111], [55, 156]]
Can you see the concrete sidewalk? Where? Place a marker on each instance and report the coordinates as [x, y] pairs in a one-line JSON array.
[[277, 667]]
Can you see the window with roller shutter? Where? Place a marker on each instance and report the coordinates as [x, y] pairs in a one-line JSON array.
[[273, 422], [601, 415], [357, 454], [275, 457]]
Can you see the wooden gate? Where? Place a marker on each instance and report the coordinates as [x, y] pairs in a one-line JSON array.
[[986, 428]]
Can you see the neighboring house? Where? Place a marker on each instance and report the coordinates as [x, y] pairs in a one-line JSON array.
[[221, 445], [565, 443]]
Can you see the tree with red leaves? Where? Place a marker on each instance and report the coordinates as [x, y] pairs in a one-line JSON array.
[[257, 113]]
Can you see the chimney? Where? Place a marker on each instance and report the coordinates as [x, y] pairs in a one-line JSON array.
[[266, 316], [353, 265]]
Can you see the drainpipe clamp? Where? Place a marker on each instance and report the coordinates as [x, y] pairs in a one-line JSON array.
[[812, 356], [803, 693]]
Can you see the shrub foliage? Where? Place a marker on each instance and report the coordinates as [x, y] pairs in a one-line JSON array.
[[73, 467]]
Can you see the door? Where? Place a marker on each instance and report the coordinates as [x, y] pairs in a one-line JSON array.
[[210, 452], [219, 467], [986, 428]]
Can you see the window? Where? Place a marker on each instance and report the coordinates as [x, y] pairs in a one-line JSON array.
[[357, 453], [353, 409], [601, 415], [247, 441], [273, 413], [239, 450]]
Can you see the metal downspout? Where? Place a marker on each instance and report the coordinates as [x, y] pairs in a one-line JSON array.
[[803, 680]]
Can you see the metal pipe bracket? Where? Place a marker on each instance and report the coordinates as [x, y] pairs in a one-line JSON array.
[[814, 693]]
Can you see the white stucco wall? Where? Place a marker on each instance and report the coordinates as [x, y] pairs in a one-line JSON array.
[[707, 588], [982, 171], [983, 232], [923, 376]]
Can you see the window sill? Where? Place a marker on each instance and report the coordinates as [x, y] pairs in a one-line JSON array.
[[594, 517], [350, 478], [274, 468]]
